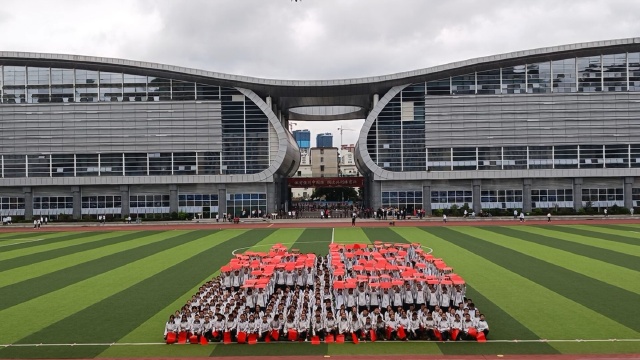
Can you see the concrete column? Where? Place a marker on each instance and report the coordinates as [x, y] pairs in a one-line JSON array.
[[577, 193], [77, 202], [375, 195], [173, 198], [272, 200], [376, 98], [222, 200], [284, 195], [477, 203], [28, 203], [426, 196], [124, 198], [628, 190], [526, 195]]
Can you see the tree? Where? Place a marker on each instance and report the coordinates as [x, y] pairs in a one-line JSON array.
[[336, 194]]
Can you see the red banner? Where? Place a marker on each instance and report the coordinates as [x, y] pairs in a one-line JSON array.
[[347, 181]]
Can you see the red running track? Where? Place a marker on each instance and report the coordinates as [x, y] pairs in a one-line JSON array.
[[310, 224]]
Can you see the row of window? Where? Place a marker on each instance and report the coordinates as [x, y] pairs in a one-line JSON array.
[[11, 202], [452, 197], [22, 84], [148, 201], [531, 157], [500, 196], [614, 72], [409, 200], [52, 202], [610, 194], [247, 204], [551, 195], [201, 200], [116, 164]]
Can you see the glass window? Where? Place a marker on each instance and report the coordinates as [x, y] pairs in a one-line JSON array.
[[14, 76], [634, 71], [566, 157], [39, 165], [159, 89], [208, 92], [183, 90], [208, 163], [439, 87], [439, 159], [540, 157], [464, 158], [38, 76], [616, 156], [110, 86], [515, 157], [564, 75], [514, 79], [62, 76], [465, 84], [134, 88], [614, 72], [489, 158], [159, 163], [539, 78], [135, 164], [38, 94], [87, 165], [591, 156], [489, 82], [184, 163], [111, 164], [86, 86], [62, 165], [589, 74], [14, 166]]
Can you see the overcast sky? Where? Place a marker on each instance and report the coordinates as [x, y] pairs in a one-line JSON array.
[[309, 39]]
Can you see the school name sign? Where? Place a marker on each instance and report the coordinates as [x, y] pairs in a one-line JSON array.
[[355, 181]]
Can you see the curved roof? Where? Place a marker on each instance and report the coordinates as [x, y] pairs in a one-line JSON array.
[[343, 92]]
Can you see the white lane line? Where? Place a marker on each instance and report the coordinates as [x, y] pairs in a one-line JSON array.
[[22, 242], [412, 341], [333, 231]]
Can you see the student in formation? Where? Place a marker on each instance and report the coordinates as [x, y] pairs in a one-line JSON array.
[[170, 326]]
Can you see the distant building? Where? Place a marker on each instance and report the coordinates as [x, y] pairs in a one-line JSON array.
[[347, 164], [324, 140], [324, 162], [303, 138]]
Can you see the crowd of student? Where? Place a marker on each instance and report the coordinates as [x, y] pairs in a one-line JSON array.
[[386, 292]]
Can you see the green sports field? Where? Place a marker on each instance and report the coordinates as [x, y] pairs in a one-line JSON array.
[[111, 292]]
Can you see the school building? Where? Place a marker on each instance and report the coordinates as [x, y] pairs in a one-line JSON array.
[[552, 127]]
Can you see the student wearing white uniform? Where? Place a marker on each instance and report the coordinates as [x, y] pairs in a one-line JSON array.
[[170, 326]]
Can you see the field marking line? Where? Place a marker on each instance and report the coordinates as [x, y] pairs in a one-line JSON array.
[[22, 242], [333, 232], [413, 341]]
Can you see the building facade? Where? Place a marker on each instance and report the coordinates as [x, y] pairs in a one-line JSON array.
[[303, 138], [553, 127], [324, 140], [324, 162]]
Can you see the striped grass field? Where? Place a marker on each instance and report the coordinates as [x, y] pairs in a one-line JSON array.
[[111, 292]]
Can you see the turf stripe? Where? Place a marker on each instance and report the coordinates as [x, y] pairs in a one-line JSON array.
[[23, 235], [28, 317], [560, 232], [384, 235], [596, 295], [573, 243], [60, 240], [31, 271], [138, 291], [150, 330], [273, 349], [502, 324], [120, 313], [314, 241], [110, 238], [33, 288], [604, 232], [531, 245], [534, 306], [352, 235]]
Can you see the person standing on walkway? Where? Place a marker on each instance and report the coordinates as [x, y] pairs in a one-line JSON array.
[[522, 216], [353, 218], [549, 217], [444, 218], [606, 214]]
